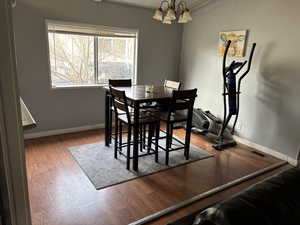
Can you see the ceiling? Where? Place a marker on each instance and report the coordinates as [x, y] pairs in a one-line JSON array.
[[153, 4]]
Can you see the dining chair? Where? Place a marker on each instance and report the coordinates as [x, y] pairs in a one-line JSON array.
[[175, 85], [124, 116], [162, 105], [120, 83], [116, 83], [180, 110], [172, 84]]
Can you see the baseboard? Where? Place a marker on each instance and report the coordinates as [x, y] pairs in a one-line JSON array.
[[267, 150], [62, 131]]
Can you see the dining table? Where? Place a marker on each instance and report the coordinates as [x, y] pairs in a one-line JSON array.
[[137, 95]]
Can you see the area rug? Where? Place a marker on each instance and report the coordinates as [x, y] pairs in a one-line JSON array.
[[98, 163]]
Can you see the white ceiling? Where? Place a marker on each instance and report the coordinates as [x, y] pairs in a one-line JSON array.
[[153, 4]]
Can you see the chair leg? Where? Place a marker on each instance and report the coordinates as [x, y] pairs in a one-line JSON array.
[[110, 121], [121, 135], [144, 135], [171, 134], [128, 148], [141, 138], [188, 140], [150, 136], [116, 136], [167, 144], [156, 141]]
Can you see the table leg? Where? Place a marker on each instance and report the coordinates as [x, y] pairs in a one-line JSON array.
[[188, 137], [136, 136], [110, 118], [107, 118]]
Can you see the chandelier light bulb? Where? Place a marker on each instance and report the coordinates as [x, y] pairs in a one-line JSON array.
[[181, 19], [158, 15], [187, 16], [167, 21], [171, 15]]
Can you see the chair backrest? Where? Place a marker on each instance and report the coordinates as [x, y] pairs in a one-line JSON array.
[[119, 101], [182, 100], [120, 83], [172, 84]]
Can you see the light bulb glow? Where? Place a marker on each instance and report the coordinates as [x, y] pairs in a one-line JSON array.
[[167, 21]]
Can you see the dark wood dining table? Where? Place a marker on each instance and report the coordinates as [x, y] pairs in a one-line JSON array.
[[136, 95]]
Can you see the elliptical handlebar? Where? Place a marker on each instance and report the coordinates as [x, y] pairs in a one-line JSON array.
[[229, 67], [241, 67], [250, 61], [225, 57]]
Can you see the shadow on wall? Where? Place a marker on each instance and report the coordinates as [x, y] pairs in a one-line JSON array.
[[278, 90]]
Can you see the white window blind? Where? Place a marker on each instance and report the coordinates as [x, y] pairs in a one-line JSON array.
[[91, 30]]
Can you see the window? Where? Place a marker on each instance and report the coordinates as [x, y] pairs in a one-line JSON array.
[[90, 55]]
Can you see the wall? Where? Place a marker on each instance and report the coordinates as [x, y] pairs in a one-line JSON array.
[[159, 53], [270, 108]]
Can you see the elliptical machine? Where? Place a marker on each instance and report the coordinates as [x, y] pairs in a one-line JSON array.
[[231, 95]]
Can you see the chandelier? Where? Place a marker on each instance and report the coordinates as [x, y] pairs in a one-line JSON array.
[[169, 11]]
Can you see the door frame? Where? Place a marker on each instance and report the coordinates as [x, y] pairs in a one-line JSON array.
[[14, 188]]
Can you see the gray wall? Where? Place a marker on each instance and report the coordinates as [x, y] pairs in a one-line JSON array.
[[270, 108], [158, 57]]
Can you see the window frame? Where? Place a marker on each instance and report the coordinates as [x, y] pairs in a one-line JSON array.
[[100, 27]]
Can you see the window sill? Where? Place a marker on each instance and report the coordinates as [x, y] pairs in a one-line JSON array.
[[77, 86]]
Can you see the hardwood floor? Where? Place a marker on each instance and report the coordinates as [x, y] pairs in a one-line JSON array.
[[61, 194]]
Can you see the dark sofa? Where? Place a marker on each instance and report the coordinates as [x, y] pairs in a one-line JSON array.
[[274, 201]]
